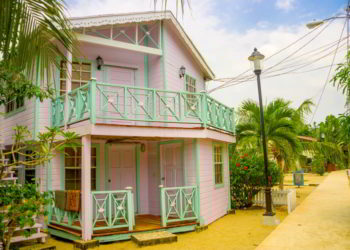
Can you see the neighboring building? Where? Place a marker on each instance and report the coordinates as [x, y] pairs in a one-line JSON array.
[[154, 145]]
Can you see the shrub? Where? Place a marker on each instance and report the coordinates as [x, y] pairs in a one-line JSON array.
[[318, 165], [247, 177]]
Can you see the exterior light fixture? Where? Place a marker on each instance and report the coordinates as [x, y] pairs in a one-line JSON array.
[[182, 71], [99, 62], [269, 216]]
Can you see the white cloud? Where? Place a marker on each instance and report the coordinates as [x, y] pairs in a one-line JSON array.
[[226, 51], [285, 4]]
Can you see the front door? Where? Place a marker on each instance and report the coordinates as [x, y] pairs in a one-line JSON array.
[[122, 168], [171, 160]]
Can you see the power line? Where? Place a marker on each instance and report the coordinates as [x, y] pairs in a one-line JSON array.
[[329, 73]]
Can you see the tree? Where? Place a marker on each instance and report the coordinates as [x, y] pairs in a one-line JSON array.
[[19, 205], [341, 79], [345, 134], [281, 136], [34, 28]]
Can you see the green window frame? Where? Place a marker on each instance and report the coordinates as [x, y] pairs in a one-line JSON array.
[[81, 74], [218, 165], [14, 106], [72, 168]]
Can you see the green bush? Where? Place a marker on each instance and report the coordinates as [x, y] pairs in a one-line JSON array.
[[318, 165], [247, 177]]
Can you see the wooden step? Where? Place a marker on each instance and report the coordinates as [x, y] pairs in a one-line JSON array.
[[35, 226], [41, 236], [146, 239]]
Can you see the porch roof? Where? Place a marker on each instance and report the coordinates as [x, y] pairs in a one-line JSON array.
[[111, 19]]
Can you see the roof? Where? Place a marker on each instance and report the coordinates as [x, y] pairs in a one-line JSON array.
[[110, 19]]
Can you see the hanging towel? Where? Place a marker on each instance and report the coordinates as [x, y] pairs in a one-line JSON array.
[[73, 201], [60, 199]]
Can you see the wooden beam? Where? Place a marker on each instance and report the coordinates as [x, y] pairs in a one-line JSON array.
[[118, 44]]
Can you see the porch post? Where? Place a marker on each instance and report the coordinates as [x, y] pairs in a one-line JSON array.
[[68, 88], [86, 188]]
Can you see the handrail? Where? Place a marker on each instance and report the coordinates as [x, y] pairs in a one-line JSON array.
[[179, 204], [106, 101]]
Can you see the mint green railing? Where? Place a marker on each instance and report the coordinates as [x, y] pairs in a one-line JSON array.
[[64, 218], [112, 209], [105, 102], [179, 204]]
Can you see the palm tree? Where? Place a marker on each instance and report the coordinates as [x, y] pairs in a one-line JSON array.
[[281, 136], [342, 79], [179, 3], [32, 29]]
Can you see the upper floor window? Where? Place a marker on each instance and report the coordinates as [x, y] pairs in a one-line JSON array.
[[14, 105], [81, 75], [72, 168], [190, 84], [218, 164]]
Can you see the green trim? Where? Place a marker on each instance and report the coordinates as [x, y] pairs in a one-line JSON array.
[[62, 172], [220, 185], [229, 178], [138, 166], [14, 112], [37, 101], [63, 234], [196, 157], [146, 63], [162, 41], [106, 166]]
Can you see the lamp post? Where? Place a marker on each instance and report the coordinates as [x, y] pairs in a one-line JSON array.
[[256, 58]]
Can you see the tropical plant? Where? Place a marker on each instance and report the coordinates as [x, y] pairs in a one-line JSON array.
[[20, 206], [281, 136], [318, 164], [247, 176], [178, 3], [345, 134], [32, 33], [341, 79]]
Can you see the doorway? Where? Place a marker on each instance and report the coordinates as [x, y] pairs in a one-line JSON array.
[[172, 164]]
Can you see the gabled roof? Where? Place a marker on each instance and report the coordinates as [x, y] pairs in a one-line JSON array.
[[110, 19]]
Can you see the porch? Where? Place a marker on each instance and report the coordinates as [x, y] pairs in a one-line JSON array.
[[105, 103], [127, 186]]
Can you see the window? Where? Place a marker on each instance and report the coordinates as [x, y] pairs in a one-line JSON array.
[[72, 168], [218, 164], [29, 171], [191, 87], [14, 105], [81, 75]]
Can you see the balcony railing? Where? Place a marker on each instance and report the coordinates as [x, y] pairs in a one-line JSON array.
[[113, 103]]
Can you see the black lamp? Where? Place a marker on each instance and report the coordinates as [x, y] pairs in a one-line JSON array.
[[182, 71], [99, 62]]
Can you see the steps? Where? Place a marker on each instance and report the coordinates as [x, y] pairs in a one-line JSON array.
[[147, 239]]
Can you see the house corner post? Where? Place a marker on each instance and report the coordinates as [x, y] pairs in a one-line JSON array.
[[86, 188], [68, 88], [93, 101]]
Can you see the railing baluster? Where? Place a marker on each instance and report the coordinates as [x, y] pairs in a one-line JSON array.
[[110, 212], [130, 212], [205, 111], [154, 104]]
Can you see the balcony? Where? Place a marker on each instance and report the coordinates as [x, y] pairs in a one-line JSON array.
[[104, 103]]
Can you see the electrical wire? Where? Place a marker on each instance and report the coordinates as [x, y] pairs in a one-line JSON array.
[[329, 73]]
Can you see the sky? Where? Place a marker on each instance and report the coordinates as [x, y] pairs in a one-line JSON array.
[[226, 32]]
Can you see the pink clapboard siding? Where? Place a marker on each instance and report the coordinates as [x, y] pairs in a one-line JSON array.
[[24, 118], [213, 201], [177, 55]]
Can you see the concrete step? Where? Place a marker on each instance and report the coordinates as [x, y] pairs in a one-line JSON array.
[[147, 239], [41, 236]]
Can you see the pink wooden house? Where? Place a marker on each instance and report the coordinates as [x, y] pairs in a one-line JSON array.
[[154, 150]]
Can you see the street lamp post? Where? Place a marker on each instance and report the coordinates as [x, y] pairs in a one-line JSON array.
[[256, 58]]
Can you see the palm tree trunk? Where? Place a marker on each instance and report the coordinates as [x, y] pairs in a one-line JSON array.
[[280, 162]]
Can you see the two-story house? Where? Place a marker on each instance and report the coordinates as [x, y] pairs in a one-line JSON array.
[[154, 152]]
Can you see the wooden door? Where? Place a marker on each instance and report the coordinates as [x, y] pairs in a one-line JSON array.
[[172, 165], [122, 168]]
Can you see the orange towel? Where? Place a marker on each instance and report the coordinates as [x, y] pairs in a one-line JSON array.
[[73, 201]]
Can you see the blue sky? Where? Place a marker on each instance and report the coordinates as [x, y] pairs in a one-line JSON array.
[[226, 31]]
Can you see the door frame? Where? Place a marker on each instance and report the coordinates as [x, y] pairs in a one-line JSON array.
[[159, 153], [136, 155]]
